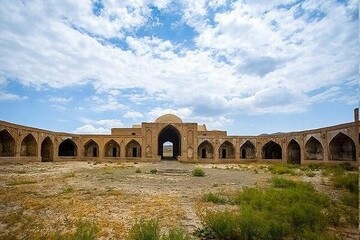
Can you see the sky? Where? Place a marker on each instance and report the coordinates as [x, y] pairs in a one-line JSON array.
[[247, 67]]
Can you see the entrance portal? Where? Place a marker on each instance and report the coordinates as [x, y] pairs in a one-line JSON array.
[[169, 135]]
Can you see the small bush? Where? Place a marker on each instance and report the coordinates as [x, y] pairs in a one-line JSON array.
[[310, 174], [138, 170], [214, 198], [279, 182], [153, 171], [85, 230], [145, 230], [350, 199], [224, 225], [176, 234], [349, 181], [198, 172], [281, 169]]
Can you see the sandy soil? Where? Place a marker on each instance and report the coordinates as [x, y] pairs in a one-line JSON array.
[[39, 199]]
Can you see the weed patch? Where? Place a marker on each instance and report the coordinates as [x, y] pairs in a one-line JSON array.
[[198, 172], [288, 209], [214, 198]]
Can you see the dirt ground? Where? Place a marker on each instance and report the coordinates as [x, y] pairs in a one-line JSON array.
[[39, 199]]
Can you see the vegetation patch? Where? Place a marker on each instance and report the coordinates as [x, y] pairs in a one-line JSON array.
[[198, 172], [287, 210], [281, 169], [214, 198], [150, 230]]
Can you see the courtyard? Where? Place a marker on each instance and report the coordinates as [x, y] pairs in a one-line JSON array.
[[45, 200]]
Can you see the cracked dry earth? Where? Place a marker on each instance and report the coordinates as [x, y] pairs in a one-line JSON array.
[[40, 199]]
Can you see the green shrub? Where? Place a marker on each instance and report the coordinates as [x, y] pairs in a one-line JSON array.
[[281, 169], [153, 171], [350, 199], [138, 170], [214, 198], [333, 170], [287, 210], [224, 225], [310, 174], [349, 181], [314, 166], [145, 230], [176, 234], [279, 182], [85, 230], [198, 172]]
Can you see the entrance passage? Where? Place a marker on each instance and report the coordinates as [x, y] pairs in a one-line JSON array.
[[168, 136]]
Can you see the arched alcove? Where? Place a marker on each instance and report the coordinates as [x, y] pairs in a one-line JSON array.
[[112, 149], [227, 150], [272, 150], [293, 152], [29, 146], [313, 149], [206, 150], [133, 149], [67, 148], [47, 149], [7, 144], [91, 149], [247, 150], [342, 148]]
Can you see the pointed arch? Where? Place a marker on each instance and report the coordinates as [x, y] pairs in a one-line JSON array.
[[342, 148], [247, 150], [29, 146], [67, 148], [133, 149], [112, 149], [314, 149], [206, 150], [7, 144], [226, 150], [293, 152], [171, 134], [272, 150], [91, 149], [47, 150]]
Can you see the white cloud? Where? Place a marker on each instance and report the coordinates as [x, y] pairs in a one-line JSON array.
[[98, 126], [182, 113], [5, 96], [133, 115], [60, 99], [110, 103], [252, 57]]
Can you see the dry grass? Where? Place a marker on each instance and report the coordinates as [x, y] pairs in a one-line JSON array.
[[44, 201]]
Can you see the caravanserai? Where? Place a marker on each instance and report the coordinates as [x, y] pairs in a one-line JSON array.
[[189, 143]]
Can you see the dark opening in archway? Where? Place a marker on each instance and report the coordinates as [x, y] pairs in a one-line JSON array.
[[272, 150], [91, 149], [206, 150], [29, 146], [314, 150], [342, 148], [133, 149], [47, 150], [7, 144], [293, 152], [112, 149], [227, 150], [67, 148], [247, 150], [172, 135]]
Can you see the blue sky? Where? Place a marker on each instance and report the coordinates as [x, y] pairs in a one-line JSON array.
[[248, 67]]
